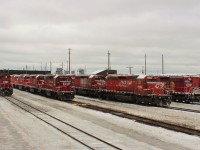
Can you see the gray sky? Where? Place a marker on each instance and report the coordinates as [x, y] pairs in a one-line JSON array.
[[35, 31]]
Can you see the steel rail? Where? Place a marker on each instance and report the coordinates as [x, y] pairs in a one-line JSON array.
[[144, 120], [82, 131], [184, 109], [170, 107]]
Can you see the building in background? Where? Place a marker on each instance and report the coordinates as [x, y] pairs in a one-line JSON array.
[[24, 71], [59, 71], [81, 71], [104, 72]]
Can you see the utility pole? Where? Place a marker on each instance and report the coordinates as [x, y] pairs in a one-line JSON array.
[[62, 67], [67, 67], [145, 65], [26, 68], [46, 67], [162, 64], [50, 66], [109, 61], [69, 60], [129, 69], [142, 69], [41, 66]]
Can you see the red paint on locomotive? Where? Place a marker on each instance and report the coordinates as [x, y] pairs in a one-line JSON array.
[[5, 85]]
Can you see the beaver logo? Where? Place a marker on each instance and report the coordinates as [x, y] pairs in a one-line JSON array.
[[172, 85]]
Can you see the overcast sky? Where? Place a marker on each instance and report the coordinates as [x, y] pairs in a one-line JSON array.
[[35, 31]]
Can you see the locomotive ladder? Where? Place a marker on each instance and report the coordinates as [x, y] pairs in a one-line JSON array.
[[79, 135]]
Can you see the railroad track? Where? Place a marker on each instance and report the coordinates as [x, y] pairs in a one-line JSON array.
[[88, 140], [183, 109], [170, 107], [144, 120]]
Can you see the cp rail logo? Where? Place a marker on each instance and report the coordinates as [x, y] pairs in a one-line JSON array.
[[159, 85], [188, 84]]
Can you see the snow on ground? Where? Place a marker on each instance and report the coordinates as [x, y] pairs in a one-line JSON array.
[[189, 119], [118, 130], [21, 131], [195, 106]]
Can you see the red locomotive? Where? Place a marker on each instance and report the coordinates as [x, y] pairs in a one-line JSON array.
[[183, 88], [14, 80], [157, 90], [23, 81], [134, 88], [5, 85], [57, 86], [81, 84]]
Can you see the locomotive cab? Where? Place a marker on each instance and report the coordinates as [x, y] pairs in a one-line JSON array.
[[184, 87], [64, 82], [63, 87], [5, 85], [142, 85], [152, 91]]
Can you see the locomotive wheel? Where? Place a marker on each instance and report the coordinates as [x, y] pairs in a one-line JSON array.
[[138, 100], [2, 93], [167, 104], [159, 103], [146, 101], [191, 101], [53, 95], [104, 96]]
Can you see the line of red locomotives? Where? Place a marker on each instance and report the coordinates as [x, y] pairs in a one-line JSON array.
[[157, 90], [57, 86]]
